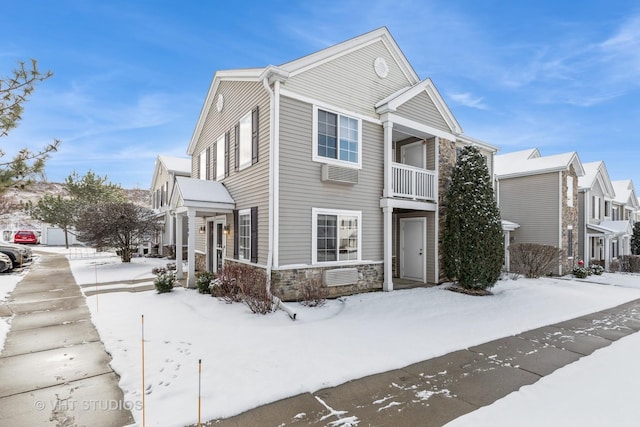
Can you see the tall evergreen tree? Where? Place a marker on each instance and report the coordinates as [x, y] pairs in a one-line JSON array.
[[473, 251], [15, 90], [635, 239]]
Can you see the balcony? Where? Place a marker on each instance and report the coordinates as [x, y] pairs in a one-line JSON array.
[[414, 183]]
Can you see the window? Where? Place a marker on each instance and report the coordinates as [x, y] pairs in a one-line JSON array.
[[336, 235], [570, 242], [244, 234], [202, 170], [595, 207], [247, 140], [570, 183], [220, 161], [607, 208], [245, 238], [337, 138]]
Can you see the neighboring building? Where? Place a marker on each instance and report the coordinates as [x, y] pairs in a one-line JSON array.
[[624, 209], [332, 166], [165, 171], [595, 197], [540, 194]]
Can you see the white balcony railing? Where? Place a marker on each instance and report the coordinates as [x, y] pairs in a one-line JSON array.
[[413, 183]]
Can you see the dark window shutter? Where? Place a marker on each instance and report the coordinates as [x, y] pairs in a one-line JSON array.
[[254, 234], [237, 147], [236, 235], [255, 127], [227, 143], [214, 161]]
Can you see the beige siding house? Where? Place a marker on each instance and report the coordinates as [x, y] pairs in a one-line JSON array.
[[540, 194], [330, 167], [165, 172]]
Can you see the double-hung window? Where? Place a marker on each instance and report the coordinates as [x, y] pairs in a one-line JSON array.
[[336, 235], [337, 138]]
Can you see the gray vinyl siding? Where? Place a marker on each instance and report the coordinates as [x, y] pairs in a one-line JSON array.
[[350, 81], [421, 109], [532, 202], [301, 188], [250, 186]]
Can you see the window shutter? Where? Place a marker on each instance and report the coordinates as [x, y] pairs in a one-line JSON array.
[[255, 125], [237, 147], [208, 163], [236, 235], [254, 234], [227, 143], [214, 161]]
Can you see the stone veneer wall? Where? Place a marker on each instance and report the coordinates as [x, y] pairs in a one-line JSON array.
[[569, 217], [201, 261], [287, 284]]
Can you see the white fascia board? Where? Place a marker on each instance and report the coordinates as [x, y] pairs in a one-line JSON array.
[[330, 53]]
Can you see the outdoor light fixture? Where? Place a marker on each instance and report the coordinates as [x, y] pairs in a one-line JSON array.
[[225, 229], [202, 229]]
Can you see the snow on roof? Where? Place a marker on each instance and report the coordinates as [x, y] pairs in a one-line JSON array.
[[202, 190], [590, 173], [520, 155], [617, 227], [521, 163], [176, 164]]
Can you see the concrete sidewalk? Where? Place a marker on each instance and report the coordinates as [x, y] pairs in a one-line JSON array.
[[436, 391], [54, 369]]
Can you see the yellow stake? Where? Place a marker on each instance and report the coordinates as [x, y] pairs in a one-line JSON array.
[[143, 420], [199, 384]]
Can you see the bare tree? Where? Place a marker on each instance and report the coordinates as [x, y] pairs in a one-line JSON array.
[[117, 225]]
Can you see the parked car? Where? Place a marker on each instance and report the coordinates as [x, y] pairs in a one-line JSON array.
[[25, 237], [5, 263], [19, 254]]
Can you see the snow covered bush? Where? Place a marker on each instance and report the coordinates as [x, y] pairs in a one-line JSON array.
[[596, 269], [473, 248], [203, 281], [164, 282], [533, 260], [313, 293], [224, 287], [240, 282], [580, 272]]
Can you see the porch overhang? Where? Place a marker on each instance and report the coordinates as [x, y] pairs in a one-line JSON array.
[[407, 204], [205, 197], [191, 198]]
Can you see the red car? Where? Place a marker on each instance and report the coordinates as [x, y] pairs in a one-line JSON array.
[[25, 237]]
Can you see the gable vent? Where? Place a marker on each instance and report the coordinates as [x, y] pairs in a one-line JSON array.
[[340, 175], [341, 276]]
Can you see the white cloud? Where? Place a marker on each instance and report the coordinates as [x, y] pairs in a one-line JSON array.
[[468, 100]]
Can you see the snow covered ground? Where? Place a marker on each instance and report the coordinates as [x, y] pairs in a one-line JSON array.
[[8, 282], [249, 360]]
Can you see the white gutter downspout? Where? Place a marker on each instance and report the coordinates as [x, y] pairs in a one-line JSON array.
[[274, 137]]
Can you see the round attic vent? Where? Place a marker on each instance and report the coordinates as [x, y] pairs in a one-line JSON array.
[[381, 67]]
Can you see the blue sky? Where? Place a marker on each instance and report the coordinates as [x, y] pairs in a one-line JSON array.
[[130, 76]]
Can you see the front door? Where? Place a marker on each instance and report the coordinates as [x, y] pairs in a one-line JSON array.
[[413, 154], [219, 243], [413, 238]]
